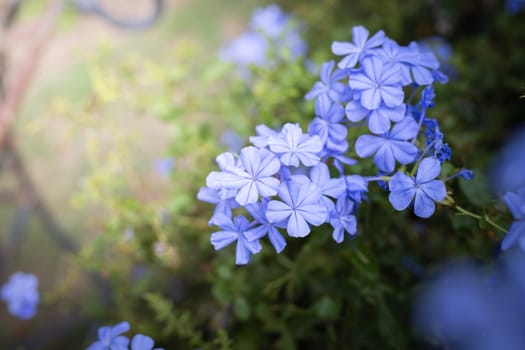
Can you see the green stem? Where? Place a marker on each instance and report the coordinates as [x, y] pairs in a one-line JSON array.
[[485, 218]]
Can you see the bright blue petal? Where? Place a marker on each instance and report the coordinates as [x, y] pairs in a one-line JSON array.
[[423, 205], [429, 169]]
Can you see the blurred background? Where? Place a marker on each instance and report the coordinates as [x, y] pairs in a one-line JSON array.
[[113, 113]]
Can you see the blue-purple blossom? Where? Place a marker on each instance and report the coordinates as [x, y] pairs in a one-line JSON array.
[[294, 148], [342, 219], [330, 85], [390, 147], [377, 83], [253, 176], [235, 232], [378, 119], [516, 204], [21, 295], [357, 49], [164, 166], [424, 187], [298, 207], [223, 199], [142, 342], [423, 64], [328, 125], [109, 338], [247, 49], [356, 187], [270, 21], [263, 226], [328, 186]]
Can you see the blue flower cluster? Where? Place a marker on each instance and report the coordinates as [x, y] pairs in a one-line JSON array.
[[110, 338], [284, 182], [21, 295], [270, 31]]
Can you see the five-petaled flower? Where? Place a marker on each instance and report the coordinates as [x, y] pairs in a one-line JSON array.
[[294, 148], [423, 187], [299, 207], [252, 176]]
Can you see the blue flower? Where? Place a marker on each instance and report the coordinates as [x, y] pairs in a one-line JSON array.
[[235, 231], [271, 21], [378, 119], [514, 6], [293, 147], [359, 48], [164, 166], [327, 125], [377, 83], [423, 187], [423, 64], [390, 147], [298, 208], [264, 226], [329, 86], [356, 187], [224, 201], [21, 295], [264, 133], [142, 342], [247, 49], [516, 204], [253, 176], [109, 338], [328, 187], [342, 218]]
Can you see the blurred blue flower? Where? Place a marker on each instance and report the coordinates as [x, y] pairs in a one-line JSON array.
[[424, 187], [293, 147], [516, 204], [353, 52], [21, 295], [470, 307], [390, 147], [235, 232], [298, 208], [231, 140], [514, 6], [109, 338], [248, 48], [142, 342], [164, 166], [271, 21], [506, 173]]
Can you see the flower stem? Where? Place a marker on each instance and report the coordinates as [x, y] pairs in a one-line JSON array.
[[484, 218]]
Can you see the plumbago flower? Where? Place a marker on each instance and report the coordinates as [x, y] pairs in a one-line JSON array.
[[290, 182]]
